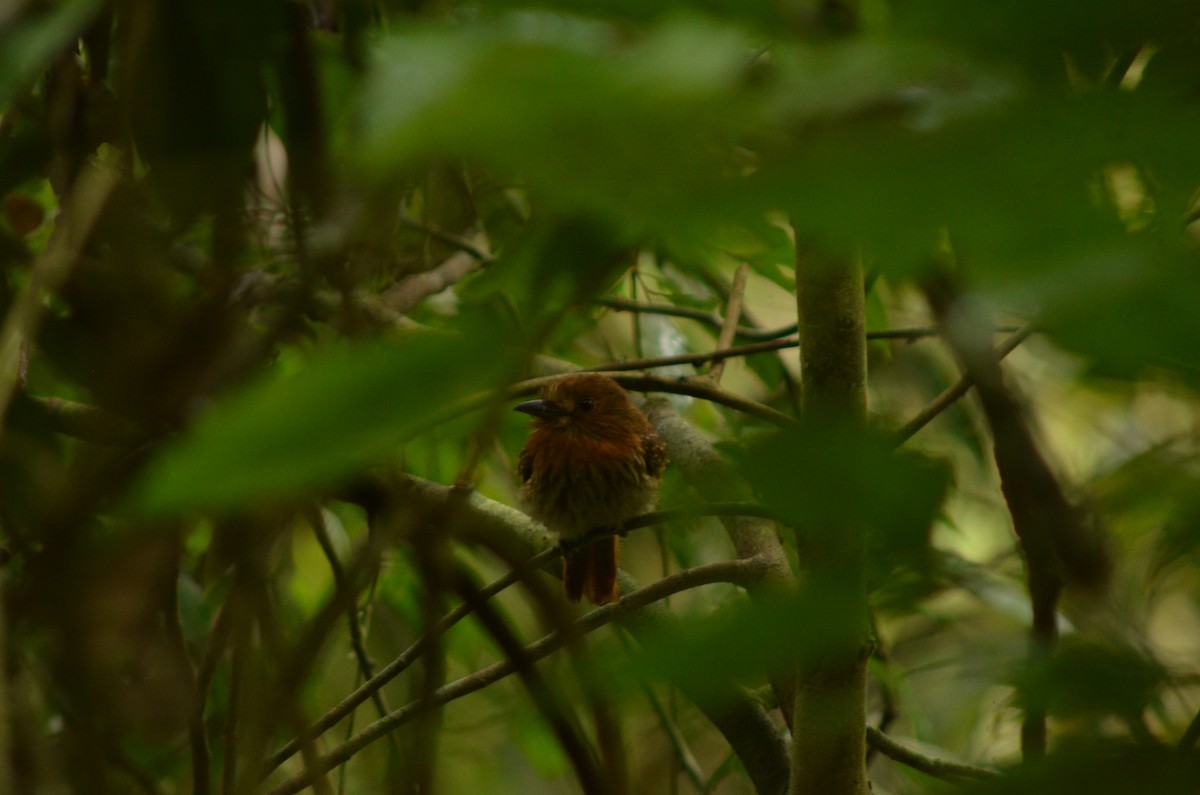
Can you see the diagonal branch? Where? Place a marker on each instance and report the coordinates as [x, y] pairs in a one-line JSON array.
[[953, 393], [89, 195], [690, 578], [944, 769], [710, 319], [1060, 542], [733, 312]]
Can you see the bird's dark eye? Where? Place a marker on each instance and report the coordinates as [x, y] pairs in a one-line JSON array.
[[586, 404]]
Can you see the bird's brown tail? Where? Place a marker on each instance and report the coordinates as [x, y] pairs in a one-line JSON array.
[[591, 572]]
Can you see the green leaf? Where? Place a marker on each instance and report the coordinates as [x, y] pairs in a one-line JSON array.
[[35, 40], [346, 407], [829, 473], [1088, 678], [624, 133]]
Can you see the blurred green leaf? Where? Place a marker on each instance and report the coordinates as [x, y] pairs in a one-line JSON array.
[[619, 132], [1014, 186], [1038, 34], [828, 473], [1154, 495], [1129, 312], [760, 14], [348, 406], [1089, 678], [744, 639], [36, 39], [1101, 767]]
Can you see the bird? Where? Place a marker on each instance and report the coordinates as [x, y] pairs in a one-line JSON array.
[[592, 462]]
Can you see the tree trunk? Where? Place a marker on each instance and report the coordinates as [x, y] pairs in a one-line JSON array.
[[829, 720]]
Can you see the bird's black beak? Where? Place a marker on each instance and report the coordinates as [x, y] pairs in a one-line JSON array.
[[540, 408]]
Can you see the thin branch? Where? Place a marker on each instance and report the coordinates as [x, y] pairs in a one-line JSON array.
[[695, 358], [731, 571], [710, 319], [733, 312], [231, 728], [452, 240], [953, 393], [944, 769], [1061, 543], [1190, 736], [909, 334], [542, 559], [693, 387], [887, 712], [683, 754], [407, 658], [317, 521], [89, 423], [740, 718], [285, 701], [218, 640], [723, 771], [89, 195], [547, 701]]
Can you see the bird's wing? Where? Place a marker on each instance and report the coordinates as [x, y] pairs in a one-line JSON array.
[[525, 465], [654, 453]]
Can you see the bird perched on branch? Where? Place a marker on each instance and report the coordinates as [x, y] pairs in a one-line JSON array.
[[592, 462]]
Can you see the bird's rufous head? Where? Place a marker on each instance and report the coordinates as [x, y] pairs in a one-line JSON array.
[[586, 403]]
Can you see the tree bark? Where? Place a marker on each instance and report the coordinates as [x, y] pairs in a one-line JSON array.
[[829, 717]]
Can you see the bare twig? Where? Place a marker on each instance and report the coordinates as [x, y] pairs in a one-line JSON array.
[[218, 641], [943, 769], [733, 312], [710, 319], [316, 520], [953, 393], [887, 713], [454, 241], [89, 195], [593, 779], [683, 754], [908, 334], [407, 658]]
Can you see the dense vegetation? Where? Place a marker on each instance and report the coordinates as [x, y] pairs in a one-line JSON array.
[[910, 290]]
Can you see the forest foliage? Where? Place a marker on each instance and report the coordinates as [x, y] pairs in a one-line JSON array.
[[274, 274]]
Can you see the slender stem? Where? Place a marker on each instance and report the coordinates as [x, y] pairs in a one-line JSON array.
[[908, 334], [733, 313], [953, 393], [316, 520], [410, 655], [88, 197], [683, 754], [454, 241], [938, 768], [731, 571], [709, 319]]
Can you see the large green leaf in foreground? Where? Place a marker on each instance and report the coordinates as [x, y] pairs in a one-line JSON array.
[[346, 407]]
